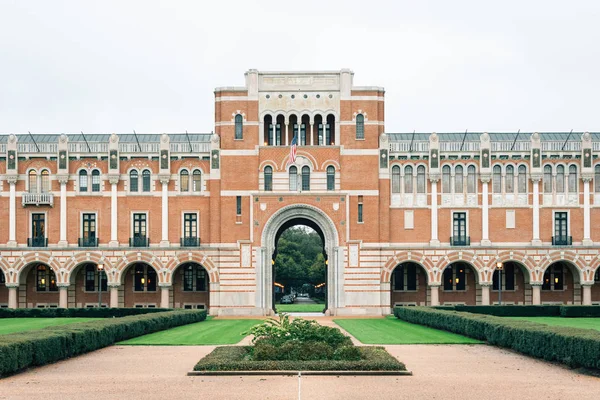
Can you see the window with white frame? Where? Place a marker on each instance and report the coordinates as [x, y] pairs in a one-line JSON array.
[[268, 179], [83, 181], [509, 185], [133, 180], [360, 126], [560, 185], [330, 178], [95, 181], [293, 178], [396, 179], [38, 182], [197, 181], [459, 185], [184, 181], [239, 127], [408, 186], [146, 180]]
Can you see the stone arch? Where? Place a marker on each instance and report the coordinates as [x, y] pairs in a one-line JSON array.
[[407, 256], [195, 257], [519, 257], [590, 271], [78, 259], [6, 269], [269, 234], [572, 259], [26, 261], [142, 257], [468, 257], [303, 154]]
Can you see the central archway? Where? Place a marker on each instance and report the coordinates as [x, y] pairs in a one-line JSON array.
[[299, 214]]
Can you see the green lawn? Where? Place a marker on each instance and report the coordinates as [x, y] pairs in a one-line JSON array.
[[394, 331], [211, 331], [585, 323], [12, 325], [288, 308]]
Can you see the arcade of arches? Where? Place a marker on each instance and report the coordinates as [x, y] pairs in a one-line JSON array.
[[461, 284]]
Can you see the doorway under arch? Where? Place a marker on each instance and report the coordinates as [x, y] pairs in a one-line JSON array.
[[191, 287], [140, 286], [408, 285], [300, 214]]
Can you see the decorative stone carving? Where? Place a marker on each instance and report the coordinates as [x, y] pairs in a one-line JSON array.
[[433, 137], [63, 138], [114, 138], [485, 137], [12, 138]]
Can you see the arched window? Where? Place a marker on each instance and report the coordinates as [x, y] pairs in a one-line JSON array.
[[146, 180], [95, 180], [360, 126], [547, 179], [446, 179], [420, 179], [194, 278], [522, 179], [239, 127], [46, 279], [293, 178], [305, 178], [330, 178], [458, 179], [33, 183], [572, 179], [497, 179], [268, 178], [597, 178], [471, 179], [509, 179], [45, 184], [395, 179], [133, 180], [184, 181], [560, 179], [408, 179], [197, 181], [83, 181]]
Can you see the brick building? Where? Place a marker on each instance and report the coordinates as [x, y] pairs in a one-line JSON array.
[[192, 220]]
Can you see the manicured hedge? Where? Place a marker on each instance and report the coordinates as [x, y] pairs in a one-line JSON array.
[[32, 348], [580, 311], [572, 346], [76, 312], [512, 311], [235, 358]]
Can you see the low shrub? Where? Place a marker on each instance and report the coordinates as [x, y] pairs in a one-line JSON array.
[[580, 311], [347, 353], [510, 311], [33, 348], [291, 350], [237, 358], [76, 312], [572, 346]]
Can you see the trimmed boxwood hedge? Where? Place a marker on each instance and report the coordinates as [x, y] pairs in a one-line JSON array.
[[572, 346], [528, 311], [33, 348], [580, 311], [236, 358], [76, 312]]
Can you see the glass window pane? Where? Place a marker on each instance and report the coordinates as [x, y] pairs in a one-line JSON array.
[[458, 179], [547, 179], [268, 178], [33, 187], [497, 179], [146, 180], [133, 181], [572, 179], [293, 178], [197, 181], [305, 178], [330, 178], [408, 179], [83, 181], [421, 179], [446, 179], [395, 179], [184, 181], [509, 179], [522, 179], [360, 126], [239, 126], [95, 180], [560, 179], [471, 179]]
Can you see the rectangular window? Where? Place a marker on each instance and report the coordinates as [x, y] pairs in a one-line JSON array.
[[560, 226], [188, 279], [89, 228], [190, 225], [459, 228], [360, 209], [95, 181], [139, 225], [399, 278], [320, 133], [303, 135], [38, 225], [238, 205], [278, 135], [411, 277]]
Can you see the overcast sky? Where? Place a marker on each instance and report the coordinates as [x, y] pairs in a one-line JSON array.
[[114, 66]]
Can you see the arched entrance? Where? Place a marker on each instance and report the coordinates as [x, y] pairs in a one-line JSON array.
[[86, 281], [300, 214], [140, 286], [191, 287], [561, 284], [408, 285], [460, 283], [515, 287], [38, 287]]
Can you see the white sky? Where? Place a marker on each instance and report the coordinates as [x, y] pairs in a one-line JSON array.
[[114, 66]]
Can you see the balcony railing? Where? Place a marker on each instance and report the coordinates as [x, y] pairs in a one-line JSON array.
[[190, 242], [562, 240], [139, 241], [37, 199], [88, 242], [460, 241], [37, 242]]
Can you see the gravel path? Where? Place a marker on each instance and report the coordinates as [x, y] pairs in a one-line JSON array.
[[440, 372]]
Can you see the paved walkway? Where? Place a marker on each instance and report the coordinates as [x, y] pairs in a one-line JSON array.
[[440, 372]]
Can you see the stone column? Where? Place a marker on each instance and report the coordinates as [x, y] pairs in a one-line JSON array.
[[165, 212], [587, 294], [536, 294], [485, 235], [587, 238], [287, 139], [312, 133], [434, 214], [274, 132], [62, 179], [12, 213], [114, 294], [114, 227], [164, 295], [434, 294], [536, 211], [12, 295], [485, 293], [63, 292]]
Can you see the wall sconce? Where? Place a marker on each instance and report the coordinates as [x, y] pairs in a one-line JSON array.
[[499, 265], [142, 281], [555, 280], [457, 280]]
